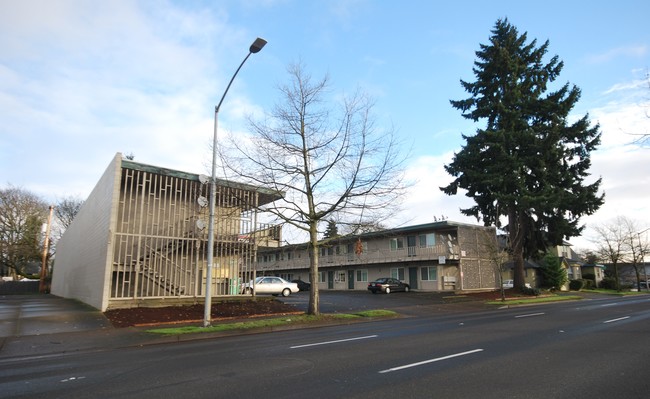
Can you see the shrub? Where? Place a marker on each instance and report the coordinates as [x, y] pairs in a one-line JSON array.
[[608, 283], [530, 291], [576, 285], [589, 284], [553, 274]]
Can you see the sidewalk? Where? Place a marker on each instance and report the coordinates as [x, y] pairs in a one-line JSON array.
[[36, 325], [41, 325]]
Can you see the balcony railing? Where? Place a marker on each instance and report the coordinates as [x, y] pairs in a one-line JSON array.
[[408, 254]]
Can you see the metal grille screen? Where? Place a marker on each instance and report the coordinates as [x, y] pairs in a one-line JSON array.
[[161, 237]]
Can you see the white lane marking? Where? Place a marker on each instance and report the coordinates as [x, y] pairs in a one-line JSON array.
[[613, 320], [529, 315], [406, 366], [72, 379], [333, 342]]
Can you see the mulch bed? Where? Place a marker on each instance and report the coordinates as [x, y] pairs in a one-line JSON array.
[[194, 313], [235, 309]]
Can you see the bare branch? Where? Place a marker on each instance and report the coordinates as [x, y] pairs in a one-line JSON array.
[[331, 162]]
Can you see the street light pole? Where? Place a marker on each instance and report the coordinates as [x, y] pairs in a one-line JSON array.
[[641, 251], [257, 45], [42, 286]]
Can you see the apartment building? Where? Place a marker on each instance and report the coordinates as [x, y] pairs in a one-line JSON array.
[[140, 238], [439, 256]]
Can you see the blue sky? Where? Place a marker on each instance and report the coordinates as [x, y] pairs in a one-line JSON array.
[[83, 80]]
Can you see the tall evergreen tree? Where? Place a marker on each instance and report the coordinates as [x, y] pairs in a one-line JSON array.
[[332, 230], [528, 164]]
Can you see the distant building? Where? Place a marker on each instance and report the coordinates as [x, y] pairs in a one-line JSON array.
[[439, 256], [532, 273], [627, 273], [571, 262], [141, 238]]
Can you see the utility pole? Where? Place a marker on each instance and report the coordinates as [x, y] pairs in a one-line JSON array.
[[46, 246]]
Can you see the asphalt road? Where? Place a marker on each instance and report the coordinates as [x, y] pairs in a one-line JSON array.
[[586, 349]]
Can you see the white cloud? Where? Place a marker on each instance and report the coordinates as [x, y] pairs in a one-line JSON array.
[[425, 202], [81, 81], [623, 51], [627, 86]]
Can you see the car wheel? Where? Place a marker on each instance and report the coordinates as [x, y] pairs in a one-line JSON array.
[[388, 290], [406, 289], [286, 292]]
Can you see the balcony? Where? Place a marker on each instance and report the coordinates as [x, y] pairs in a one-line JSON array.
[[300, 259]]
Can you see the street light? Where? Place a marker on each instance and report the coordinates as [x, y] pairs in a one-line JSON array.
[[257, 45]]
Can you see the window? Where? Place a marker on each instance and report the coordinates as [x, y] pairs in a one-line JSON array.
[[429, 273], [427, 240], [397, 272], [270, 257], [321, 277], [341, 277], [362, 275], [396, 244]]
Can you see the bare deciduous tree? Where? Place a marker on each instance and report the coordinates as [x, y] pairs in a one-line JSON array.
[[636, 249], [22, 214], [65, 211], [620, 241], [331, 163]]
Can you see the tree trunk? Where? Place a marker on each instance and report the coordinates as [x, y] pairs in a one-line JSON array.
[[516, 231], [313, 307]]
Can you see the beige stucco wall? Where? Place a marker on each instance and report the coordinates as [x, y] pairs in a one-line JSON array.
[[83, 254], [477, 270]]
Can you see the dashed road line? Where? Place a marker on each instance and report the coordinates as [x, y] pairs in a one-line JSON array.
[[333, 342], [406, 366]]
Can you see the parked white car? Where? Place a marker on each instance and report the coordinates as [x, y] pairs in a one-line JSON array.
[[270, 285], [510, 284]]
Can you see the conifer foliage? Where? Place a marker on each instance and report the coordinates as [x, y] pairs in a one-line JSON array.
[[529, 164], [332, 230]]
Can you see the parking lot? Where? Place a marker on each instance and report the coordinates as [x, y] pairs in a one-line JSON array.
[[351, 301]]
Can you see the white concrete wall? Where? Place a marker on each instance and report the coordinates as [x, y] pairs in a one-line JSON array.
[[83, 255]]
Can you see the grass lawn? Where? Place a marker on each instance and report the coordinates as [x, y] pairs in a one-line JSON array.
[[271, 322]]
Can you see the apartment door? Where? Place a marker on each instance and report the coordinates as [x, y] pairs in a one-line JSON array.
[[330, 280], [413, 278], [350, 279]]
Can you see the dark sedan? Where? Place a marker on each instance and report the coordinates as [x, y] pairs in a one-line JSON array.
[[302, 285], [388, 285]]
